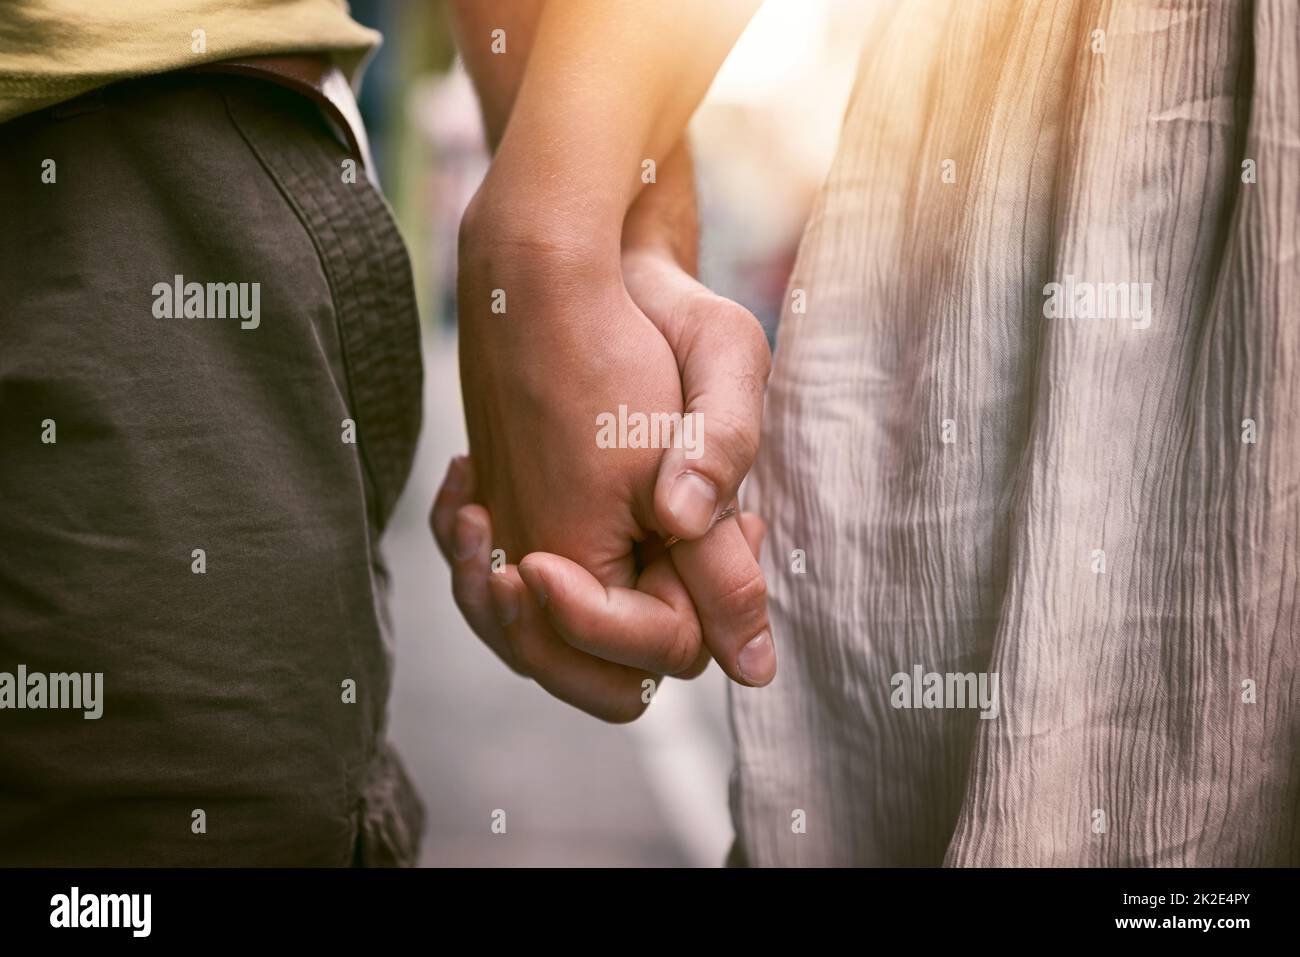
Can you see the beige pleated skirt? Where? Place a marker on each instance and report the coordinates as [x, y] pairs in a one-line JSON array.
[[1031, 459]]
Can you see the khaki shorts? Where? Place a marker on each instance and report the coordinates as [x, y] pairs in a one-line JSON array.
[[210, 392]]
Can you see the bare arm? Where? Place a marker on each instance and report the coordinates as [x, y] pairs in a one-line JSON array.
[[607, 86], [662, 220], [496, 76]]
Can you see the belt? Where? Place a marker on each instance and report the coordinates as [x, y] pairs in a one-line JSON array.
[[315, 77]]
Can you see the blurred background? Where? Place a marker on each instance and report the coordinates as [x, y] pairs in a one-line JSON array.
[[476, 738]]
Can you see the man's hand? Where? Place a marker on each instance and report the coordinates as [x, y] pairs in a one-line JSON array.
[[550, 341]]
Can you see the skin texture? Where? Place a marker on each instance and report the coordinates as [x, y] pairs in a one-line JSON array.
[[602, 310]]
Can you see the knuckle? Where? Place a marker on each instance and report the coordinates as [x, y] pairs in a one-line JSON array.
[[463, 594], [742, 327], [461, 605], [697, 667], [528, 651], [736, 441], [683, 648], [750, 342], [762, 350], [749, 331], [743, 601], [507, 653]]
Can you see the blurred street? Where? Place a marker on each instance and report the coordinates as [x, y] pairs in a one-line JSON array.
[[477, 738]]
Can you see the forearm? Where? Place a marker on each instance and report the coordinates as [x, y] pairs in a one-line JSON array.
[[496, 76], [608, 86]]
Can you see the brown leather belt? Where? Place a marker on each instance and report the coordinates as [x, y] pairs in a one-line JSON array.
[[314, 76]]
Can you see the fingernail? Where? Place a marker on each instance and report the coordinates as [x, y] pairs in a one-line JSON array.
[[469, 537], [535, 581], [505, 598], [757, 660], [693, 500]]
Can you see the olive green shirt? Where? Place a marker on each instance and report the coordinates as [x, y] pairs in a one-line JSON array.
[[54, 50]]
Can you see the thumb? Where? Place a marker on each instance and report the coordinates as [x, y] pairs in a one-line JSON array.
[[724, 361]]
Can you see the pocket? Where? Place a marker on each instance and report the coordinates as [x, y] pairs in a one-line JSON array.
[[365, 262]]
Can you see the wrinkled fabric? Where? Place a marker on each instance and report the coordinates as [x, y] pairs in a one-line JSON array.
[[1105, 514]]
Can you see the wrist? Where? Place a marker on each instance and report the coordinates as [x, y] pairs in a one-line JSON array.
[[536, 192], [664, 220], [521, 226]]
